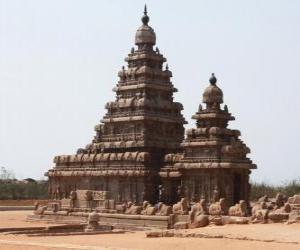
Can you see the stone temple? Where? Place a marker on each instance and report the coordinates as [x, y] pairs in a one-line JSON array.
[[140, 153]]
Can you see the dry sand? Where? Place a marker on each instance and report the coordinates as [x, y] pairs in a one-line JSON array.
[[285, 237]]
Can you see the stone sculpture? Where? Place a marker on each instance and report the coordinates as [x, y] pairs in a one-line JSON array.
[[218, 208], [198, 215], [93, 222], [133, 209], [239, 209], [39, 209], [148, 209], [163, 210], [181, 207]]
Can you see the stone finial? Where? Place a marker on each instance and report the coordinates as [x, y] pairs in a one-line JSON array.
[[226, 108], [132, 50], [167, 67], [145, 17], [213, 79]]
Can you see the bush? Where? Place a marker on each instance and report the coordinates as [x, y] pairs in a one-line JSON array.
[[19, 191], [288, 188]]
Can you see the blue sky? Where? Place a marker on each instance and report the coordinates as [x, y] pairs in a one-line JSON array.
[[59, 61]]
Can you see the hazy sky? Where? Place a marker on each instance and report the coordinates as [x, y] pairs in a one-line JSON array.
[[59, 61]]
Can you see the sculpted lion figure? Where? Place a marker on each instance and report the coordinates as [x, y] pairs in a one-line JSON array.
[[239, 209], [163, 210], [197, 209], [280, 214], [133, 209], [218, 208], [181, 207], [198, 215], [148, 209], [260, 212], [279, 200]]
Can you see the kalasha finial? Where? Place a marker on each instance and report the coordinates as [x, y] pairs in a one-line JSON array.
[[167, 67], [145, 18], [213, 79]]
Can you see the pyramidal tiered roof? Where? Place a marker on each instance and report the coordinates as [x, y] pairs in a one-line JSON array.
[[143, 114], [211, 144]]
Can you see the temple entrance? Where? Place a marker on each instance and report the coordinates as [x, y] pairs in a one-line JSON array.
[[236, 188]]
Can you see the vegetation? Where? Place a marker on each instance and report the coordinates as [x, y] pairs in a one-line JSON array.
[[12, 189], [19, 191], [288, 188]]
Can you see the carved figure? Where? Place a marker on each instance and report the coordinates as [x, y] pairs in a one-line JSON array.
[[279, 200], [148, 209], [181, 207], [88, 195], [93, 222], [196, 218], [163, 210], [197, 209], [38, 209], [218, 208], [280, 214], [121, 208], [133, 209], [216, 194], [260, 213], [239, 209], [263, 199]]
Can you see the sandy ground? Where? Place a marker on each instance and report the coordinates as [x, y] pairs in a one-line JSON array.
[[283, 237]]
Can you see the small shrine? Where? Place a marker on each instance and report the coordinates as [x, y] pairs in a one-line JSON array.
[[213, 162]]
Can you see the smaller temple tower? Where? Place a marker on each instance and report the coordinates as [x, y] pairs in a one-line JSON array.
[[214, 161]]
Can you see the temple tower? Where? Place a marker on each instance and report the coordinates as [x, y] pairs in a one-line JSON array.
[[213, 164], [141, 125]]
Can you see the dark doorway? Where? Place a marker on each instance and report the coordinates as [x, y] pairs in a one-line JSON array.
[[237, 188]]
